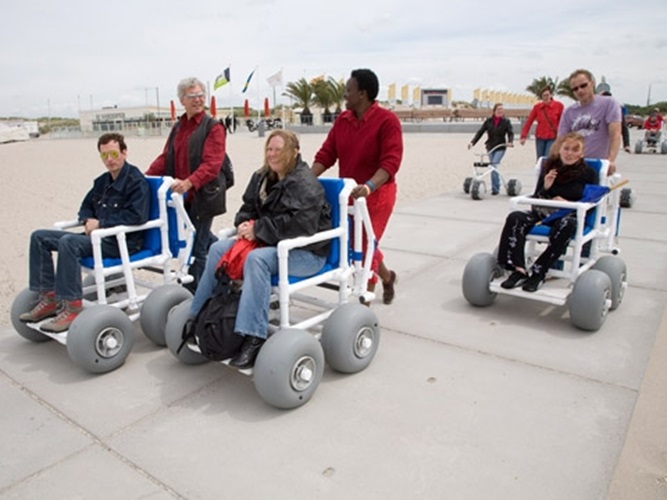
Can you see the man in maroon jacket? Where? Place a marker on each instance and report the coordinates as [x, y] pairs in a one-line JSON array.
[[190, 178]]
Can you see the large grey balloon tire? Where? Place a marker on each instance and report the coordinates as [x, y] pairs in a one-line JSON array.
[[627, 198], [173, 333], [589, 300], [615, 268], [24, 302], [91, 335], [480, 270], [155, 311], [280, 360], [466, 185], [477, 190], [350, 338], [663, 148], [638, 147], [513, 187]]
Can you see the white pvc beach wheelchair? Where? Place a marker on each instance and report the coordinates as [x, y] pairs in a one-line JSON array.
[[651, 142], [482, 169], [589, 278], [118, 291], [343, 332]]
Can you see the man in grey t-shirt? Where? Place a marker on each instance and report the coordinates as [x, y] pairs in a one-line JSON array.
[[596, 117]]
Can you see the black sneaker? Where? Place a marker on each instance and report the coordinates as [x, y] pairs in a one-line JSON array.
[[533, 283], [514, 280]]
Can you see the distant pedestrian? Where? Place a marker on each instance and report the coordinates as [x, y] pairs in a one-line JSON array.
[[547, 113], [499, 136]]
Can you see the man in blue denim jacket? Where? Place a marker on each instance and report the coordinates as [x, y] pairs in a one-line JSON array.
[[119, 196]]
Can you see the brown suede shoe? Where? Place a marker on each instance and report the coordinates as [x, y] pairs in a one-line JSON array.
[[388, 291], [47, 307], [62, 322]]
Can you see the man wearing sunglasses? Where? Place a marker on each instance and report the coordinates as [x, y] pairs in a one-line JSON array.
[[596, 117], [193, 165], [120, 196]]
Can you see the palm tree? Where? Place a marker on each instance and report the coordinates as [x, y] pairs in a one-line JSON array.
[[337, 93], [544, 81], [302, 93], [564, 89], [323, 97]]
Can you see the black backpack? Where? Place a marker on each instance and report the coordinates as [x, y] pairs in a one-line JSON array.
[[214, 325]]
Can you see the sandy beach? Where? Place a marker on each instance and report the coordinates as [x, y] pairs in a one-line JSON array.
[[47, 180], [512, 391]]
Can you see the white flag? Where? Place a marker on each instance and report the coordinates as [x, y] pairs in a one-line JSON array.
[[275, 80]]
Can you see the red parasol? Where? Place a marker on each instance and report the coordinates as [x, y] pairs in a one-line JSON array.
[[173, 111], [214, 108], [267, 110], [246, 109]]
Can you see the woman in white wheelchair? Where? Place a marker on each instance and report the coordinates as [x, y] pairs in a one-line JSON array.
[[563, 176], [282, 200]]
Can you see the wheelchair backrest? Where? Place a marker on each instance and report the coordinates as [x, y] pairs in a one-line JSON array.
[[152, 237], [332, 189]]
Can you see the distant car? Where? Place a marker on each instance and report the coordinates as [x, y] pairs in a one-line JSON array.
[[634, 121]]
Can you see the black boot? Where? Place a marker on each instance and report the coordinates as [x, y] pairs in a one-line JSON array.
[[245, 358]]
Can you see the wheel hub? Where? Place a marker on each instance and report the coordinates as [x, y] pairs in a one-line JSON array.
[[109, 342], [303, 373], [363, 343]]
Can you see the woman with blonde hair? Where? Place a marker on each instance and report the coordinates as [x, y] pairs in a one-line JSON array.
[[282, 200]]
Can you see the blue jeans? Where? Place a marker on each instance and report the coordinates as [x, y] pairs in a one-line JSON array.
[[542, 147], [494, 159], [71, 248], [260, 265]]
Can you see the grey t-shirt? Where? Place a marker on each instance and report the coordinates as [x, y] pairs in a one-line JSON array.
[[592, 121]]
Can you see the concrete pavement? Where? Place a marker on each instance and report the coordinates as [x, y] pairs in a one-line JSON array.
[[503, 402]]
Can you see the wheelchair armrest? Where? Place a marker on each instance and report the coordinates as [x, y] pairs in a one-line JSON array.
[[98, 234], [574, 205], [284, 246], [67, 224], [227, 233]]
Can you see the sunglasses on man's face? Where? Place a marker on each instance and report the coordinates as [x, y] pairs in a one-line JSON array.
[[580, 87], [114, 154]]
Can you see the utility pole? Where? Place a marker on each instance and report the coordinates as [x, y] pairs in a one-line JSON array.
[[157, 97]]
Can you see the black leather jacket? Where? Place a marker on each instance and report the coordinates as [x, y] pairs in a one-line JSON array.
[[294, 206], [495, 135]]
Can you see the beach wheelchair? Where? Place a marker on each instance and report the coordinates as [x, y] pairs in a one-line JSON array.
[[306, 326], [118, 291], [652, 142], [482, 169], [590, 278]]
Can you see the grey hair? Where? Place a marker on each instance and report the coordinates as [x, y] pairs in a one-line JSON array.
[[186, 83]]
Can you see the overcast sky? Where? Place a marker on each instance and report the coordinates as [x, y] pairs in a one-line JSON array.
[[62, 57]]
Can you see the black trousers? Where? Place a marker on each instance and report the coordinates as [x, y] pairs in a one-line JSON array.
[[511, 251]]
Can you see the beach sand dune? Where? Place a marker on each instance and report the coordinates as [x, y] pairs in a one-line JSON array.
[[45, 181]]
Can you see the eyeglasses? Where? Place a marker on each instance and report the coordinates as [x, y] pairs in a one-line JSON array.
[[114, 154], [192, 97], [579, 87]]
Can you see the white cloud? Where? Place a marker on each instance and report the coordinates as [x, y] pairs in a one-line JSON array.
[[61, 56]]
